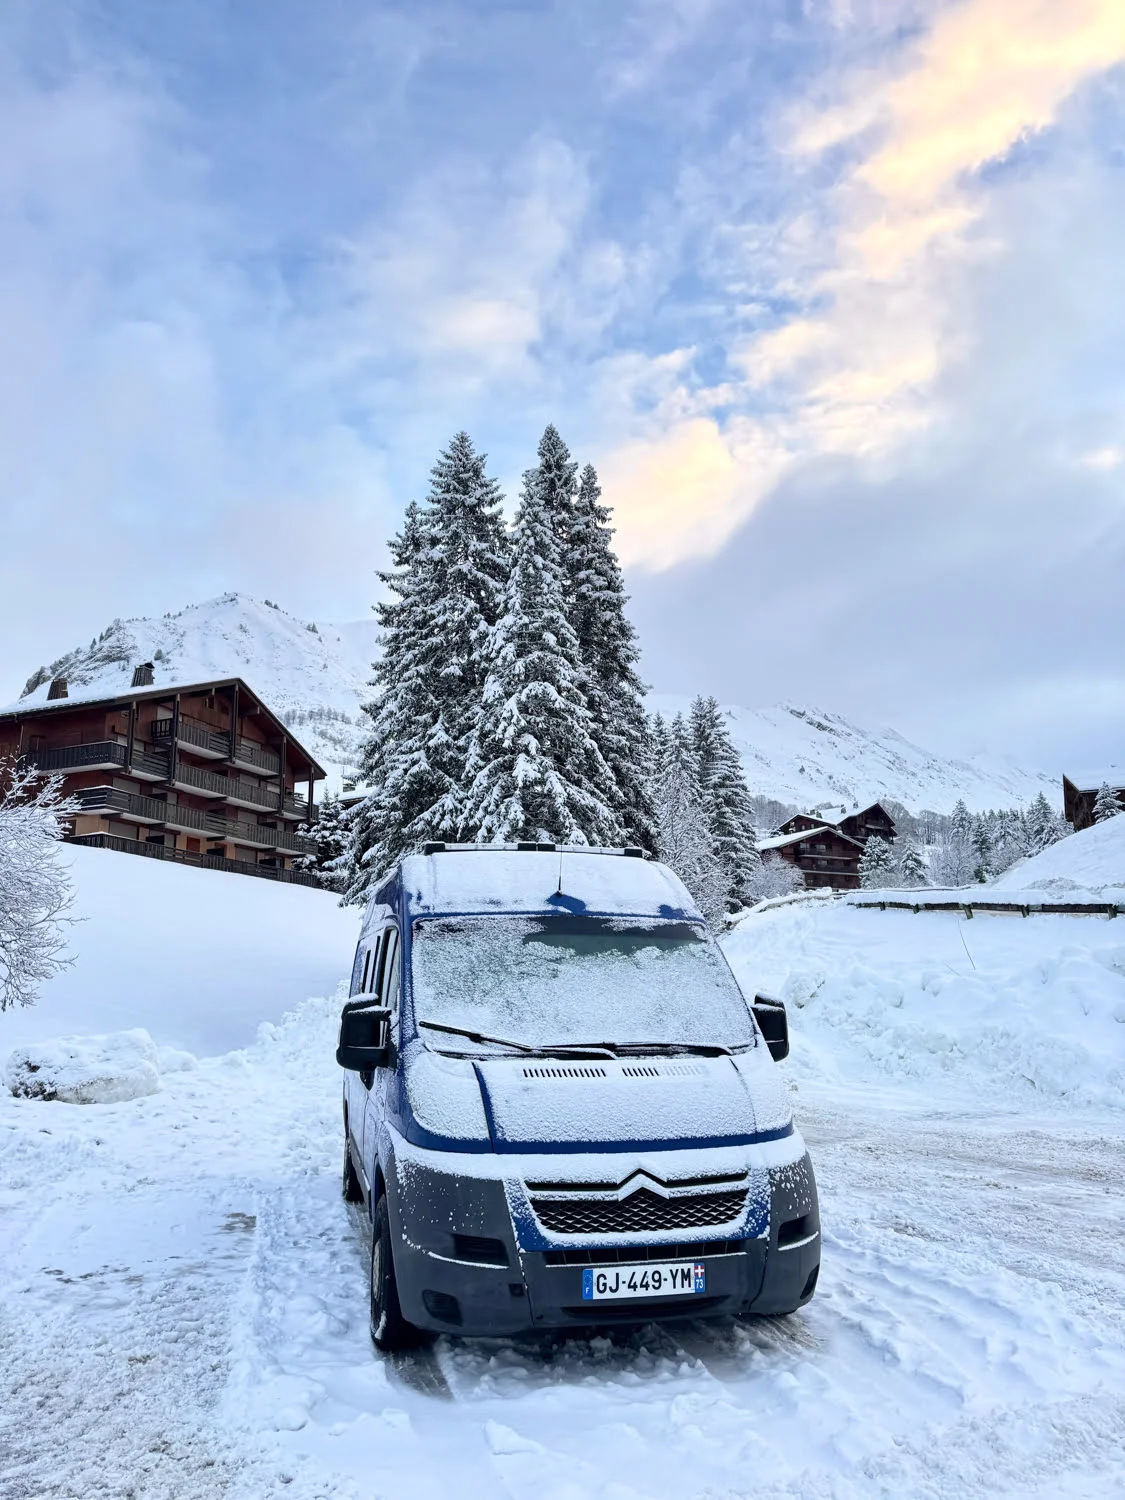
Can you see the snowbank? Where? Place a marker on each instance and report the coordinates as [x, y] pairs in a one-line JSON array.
[[199, 958], [86, 1069], [997, 1009], [1093, 860]]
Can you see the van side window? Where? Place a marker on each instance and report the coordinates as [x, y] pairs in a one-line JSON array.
[[390, 979], [366, 968], [372, 985]]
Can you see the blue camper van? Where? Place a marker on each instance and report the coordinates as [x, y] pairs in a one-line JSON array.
[[559, 1109]]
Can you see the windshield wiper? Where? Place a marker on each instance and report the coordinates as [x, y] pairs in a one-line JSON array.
[[526, 1049], [641, 1049], [478, 1036]]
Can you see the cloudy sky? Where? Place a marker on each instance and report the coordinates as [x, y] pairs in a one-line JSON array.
[[831, 291]]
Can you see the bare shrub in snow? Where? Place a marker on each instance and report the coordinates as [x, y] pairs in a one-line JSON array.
[[35, 893], [775, 876]]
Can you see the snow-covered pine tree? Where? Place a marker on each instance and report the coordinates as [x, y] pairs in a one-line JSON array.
[[878, 868], [726, 800], [1044, 826], [393, 762], [953, 865], [686, 842], [912, 871], [537, 772], [450, 564], [1106, 805], [981, 843], [607, 644], [330, 835]]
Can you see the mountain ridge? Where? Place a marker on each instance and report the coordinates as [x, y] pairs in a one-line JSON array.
[[315, 675]]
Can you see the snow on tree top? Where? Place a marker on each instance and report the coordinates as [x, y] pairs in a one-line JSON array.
[[510, 880]]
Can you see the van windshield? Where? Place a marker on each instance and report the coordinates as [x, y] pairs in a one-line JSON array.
[[566, 980]]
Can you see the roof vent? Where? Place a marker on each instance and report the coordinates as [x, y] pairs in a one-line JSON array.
[[634, 851], [57, 688], [435, 846], [142, 675]]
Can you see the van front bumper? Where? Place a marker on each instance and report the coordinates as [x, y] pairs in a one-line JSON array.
[[461, 1270]]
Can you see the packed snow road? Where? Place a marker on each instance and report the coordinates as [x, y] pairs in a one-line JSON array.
[[183, 1313]]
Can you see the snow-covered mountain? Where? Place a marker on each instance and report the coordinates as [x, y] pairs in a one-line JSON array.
[[314, 675]]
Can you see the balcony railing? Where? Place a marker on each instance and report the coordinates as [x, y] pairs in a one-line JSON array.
[[194, 735], [184, 857], [239, 790], [136, 808]]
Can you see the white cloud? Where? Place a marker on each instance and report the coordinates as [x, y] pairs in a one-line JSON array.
[[855, 370]]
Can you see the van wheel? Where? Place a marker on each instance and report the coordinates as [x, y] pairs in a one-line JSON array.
[[351, 1188], [389, 1329]]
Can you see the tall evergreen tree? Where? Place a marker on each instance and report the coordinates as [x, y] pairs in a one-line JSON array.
[[537, 772], [446, 587], [911, 866], [1044, 826], [686, 842], [608, 653], [726, 800], [878, 868], [1106, 805]]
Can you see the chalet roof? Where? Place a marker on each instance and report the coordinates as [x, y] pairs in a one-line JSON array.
[[780, 840], [1093, 781], [37, 705]]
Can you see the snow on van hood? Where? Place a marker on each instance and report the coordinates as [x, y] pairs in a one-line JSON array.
[[548, 1104], [509, 880]]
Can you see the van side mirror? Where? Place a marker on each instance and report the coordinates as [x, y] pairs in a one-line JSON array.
[[773, 1024], [365, 1036]]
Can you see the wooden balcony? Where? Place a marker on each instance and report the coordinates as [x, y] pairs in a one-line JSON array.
[[134, 808], [214, 744], [207, 861], [102, 755]]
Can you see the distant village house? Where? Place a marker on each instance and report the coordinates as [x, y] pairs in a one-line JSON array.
[[1080, 794], [826, 846]]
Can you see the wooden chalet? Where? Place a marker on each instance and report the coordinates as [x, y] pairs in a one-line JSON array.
[[1080, 794], [200, 773], [826, 847]]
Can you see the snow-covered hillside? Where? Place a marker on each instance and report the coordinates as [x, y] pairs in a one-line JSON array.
[[814, 758], [1091, 861], [314, 674]]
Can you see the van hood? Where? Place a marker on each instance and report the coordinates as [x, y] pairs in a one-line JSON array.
[[542, 1104]]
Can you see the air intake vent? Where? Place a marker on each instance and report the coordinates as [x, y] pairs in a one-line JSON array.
[[142, 675], [57, 688], [571, 1070]]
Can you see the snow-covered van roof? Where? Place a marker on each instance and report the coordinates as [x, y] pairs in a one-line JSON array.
[[507, 879]]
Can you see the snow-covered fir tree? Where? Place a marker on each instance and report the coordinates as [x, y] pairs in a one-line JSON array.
[[726, 800], [981, 844], [686, 841], [912, 871], [1106, 804], [35, 892], [447, 582], [878, 868], [537, 771], [1044, 826], [953, 860], [608, 653], [329, 833]]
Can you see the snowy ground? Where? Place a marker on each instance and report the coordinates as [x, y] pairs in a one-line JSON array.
[[182, 1293]]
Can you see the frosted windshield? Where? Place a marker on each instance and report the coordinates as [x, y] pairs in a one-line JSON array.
[[553, 980]]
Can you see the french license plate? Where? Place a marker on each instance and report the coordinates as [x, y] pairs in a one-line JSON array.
[[672, 1278]]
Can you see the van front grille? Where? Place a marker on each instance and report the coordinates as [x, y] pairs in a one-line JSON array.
[[641, 1211], [635, 1254]]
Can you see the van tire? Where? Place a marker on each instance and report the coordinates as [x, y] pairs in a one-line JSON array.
[[351, 1186], [389, 1329]]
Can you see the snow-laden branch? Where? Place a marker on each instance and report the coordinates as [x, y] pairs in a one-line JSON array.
[[35, 894]]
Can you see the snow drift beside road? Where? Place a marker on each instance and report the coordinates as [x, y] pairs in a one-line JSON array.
[[1093, 860], [1002, 1008], [197, 957], [88, 1069]]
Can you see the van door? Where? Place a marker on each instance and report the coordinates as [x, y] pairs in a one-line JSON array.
[[389, 988], [358, 1084]]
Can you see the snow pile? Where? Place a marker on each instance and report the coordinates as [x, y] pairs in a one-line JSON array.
[[86, 1069], [1090, 861], [996, 1008], [315, 675], [198, 957]]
